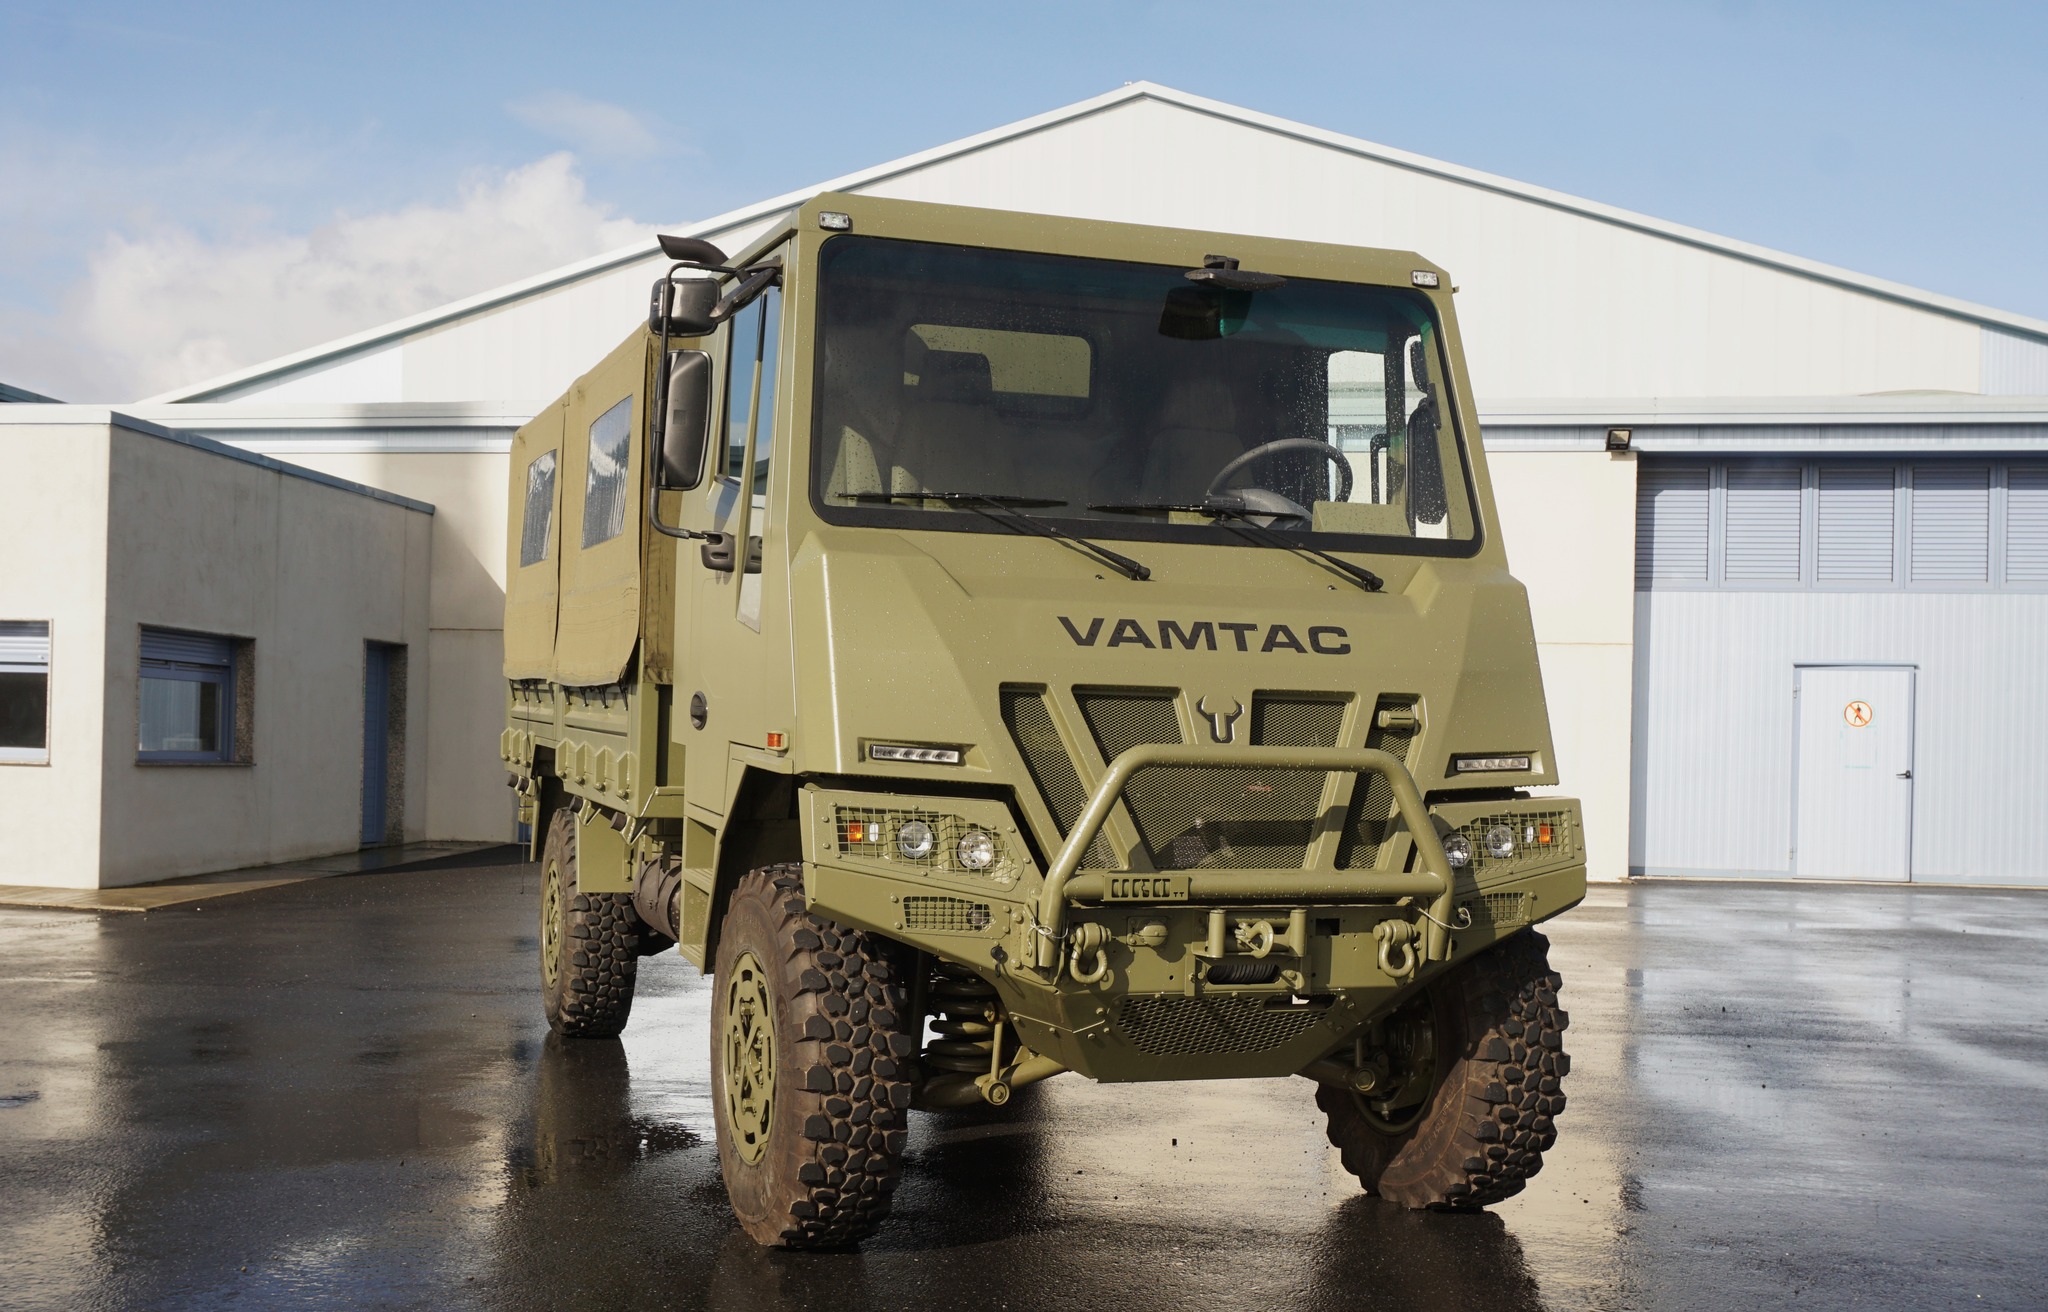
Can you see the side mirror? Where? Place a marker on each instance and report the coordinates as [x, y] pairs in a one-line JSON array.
[[692, 306], [686, 418]]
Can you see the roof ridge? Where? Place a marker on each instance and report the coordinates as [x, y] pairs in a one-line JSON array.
[[356, 343]]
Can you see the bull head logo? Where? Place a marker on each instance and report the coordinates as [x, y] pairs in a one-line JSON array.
[[1222, 724]]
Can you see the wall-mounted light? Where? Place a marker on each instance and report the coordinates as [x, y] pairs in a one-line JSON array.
[[1618, 438]]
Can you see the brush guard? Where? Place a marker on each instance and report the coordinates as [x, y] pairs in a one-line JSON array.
[[1066, 882]]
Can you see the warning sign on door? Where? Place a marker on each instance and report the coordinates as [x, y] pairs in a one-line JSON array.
[[1856, 714]]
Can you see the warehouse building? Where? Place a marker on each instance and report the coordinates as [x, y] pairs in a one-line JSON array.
[[1783, 525]]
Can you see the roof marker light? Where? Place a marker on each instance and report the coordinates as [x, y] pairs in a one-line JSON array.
[[1423, 278], [835, 221]]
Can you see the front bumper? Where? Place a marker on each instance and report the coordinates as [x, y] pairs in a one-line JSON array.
[[1108, 971]]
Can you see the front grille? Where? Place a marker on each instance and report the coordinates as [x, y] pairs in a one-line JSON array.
[[1236, 819], [1051, 769], [1180, 1027], [1370, 823]]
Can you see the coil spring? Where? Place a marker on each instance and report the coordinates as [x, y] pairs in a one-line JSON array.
[[964, 1022]]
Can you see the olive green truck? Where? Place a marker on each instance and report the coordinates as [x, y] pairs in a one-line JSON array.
[[991, 646]]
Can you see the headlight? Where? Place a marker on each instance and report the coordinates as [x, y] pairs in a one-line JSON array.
[[976, 850], [1500, 842], [916, 840], [1458, 851]]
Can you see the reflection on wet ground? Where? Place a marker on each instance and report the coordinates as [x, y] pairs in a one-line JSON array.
[[341, 1094]]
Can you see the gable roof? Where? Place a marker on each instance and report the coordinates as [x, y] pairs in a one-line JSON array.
[[541, 284]]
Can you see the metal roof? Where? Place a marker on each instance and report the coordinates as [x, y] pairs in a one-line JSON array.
[[1135, 91]]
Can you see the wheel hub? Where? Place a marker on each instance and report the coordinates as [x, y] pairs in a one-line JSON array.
[[1406, 1044], [749, 1052], [550, 925]]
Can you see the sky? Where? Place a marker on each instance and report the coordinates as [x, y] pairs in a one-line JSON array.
[[187, 189]]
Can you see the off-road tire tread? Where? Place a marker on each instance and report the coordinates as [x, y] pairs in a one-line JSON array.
[[848, 1071], [1503, 1092], [602, 943]]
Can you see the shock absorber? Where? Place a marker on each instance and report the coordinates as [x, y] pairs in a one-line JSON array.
[[964, 1023]]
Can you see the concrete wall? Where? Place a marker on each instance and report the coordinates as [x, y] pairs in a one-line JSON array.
[[115, 524], [310, 573], [53, 503], [1569, 520], [462, 666]]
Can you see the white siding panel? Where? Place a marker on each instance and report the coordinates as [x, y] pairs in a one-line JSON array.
[[1762, 532], [1713, 724], [2014, 365], [1853, 538], [1951, 524], [1672, 511], [2026, 524]]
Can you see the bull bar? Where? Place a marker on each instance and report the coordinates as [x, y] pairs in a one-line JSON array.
[[1433, 880]]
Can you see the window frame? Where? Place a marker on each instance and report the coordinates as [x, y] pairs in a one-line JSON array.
[[35, 755], [227, 677]]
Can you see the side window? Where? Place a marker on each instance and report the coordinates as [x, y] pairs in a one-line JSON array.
[[756, 349], [190, 683], [537, 531], [604, 491], [24, 692]]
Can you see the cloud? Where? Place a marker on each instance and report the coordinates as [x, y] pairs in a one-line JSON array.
[[594, 127], [175, 307]]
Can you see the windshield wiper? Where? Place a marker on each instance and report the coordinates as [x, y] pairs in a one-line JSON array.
[[1234, 511], [1004, 508]]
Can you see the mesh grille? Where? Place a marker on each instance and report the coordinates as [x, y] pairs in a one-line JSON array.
[[1169, 1027], [1500, 910], [1371, 822], [945, 915], [1123, 720], [1286, 720], [1240, 819], [1051, 769]]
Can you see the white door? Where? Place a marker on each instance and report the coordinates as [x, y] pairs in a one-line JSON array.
[[1853, 773]]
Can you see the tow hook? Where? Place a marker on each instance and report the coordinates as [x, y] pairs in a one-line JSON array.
[[1088, 940], [1397, 946]]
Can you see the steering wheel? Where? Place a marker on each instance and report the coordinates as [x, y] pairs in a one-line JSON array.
[[1345, 478]]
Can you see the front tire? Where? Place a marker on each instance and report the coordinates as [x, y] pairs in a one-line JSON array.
[[589, 944], [811, 1050], [1494, 1036]]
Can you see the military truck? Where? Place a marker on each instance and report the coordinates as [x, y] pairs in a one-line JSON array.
[[991, 646]]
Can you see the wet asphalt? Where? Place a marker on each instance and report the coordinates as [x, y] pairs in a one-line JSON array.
[[341, 1093]]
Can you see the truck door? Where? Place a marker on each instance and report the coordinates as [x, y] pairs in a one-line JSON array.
[[738, 616]]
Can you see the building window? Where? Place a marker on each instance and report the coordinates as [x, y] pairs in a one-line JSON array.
[[604, 490], [1846, 526], [193, 698], [24, 692], [537, 532]]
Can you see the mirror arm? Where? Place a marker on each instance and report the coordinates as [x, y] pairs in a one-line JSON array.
[[654, 516]]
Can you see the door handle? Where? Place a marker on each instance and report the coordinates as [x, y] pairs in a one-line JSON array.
[[1905, 774], [721, 552]]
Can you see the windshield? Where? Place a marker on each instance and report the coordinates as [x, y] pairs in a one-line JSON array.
[[1123, 396]]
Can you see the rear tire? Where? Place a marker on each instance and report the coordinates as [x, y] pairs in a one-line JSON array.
[[589, 944], [1498, 1038], [811, 1051]]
